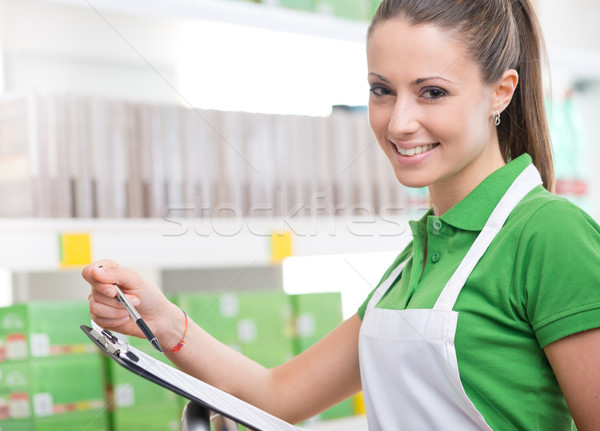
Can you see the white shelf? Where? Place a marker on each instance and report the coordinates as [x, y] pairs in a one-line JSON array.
[[236, 12], [33, 244]]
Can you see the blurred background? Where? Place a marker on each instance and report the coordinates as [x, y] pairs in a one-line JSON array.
[[222, 149]]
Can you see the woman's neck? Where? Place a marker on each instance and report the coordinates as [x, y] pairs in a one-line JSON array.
[[448, 192]]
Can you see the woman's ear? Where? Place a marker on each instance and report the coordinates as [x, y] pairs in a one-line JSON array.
[[504, 90]]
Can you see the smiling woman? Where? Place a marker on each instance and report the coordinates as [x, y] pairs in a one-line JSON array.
[[489, 318]]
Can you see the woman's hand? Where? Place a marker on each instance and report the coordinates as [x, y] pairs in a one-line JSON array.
[[107, 312]]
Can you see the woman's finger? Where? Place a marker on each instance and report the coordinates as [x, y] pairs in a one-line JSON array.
[[104, 263]]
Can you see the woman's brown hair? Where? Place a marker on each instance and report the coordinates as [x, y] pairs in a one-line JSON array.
[[500, 35]]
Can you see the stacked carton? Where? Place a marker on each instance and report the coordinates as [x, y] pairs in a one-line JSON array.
[[349, 9], [51, 377], [138, 404], [268, 326], [315, 315], [256, 323]]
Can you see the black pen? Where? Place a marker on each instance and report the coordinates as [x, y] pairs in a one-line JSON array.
[[137, 318]]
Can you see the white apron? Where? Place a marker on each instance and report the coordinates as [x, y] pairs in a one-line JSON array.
[[408, 364]]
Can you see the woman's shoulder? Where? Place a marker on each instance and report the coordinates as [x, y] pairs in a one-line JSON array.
[[552, 217]]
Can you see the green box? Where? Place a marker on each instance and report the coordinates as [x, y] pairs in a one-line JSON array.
[[342, 410], [14, 376], [15, 400], [16, 425], [308, 5], [147, 418], [269, 354], [216, 313], [75, 421], [130, 390], [43, 328], [373, 5], [350, 9], [67, 384], [265, 317], [315, 315]]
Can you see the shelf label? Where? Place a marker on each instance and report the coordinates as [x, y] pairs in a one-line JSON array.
[[75, 249], [281, 246]]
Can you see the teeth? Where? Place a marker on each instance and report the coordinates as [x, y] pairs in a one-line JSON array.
[[415, 150]]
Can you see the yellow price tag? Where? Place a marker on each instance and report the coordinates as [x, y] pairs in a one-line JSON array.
[[359, 404], [75, 249], [281, 246]]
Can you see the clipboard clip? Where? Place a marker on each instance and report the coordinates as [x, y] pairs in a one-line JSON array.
[[109, 341]]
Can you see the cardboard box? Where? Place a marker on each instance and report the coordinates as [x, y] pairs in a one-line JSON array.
[[67, 384], [16, 425], [45, 328], [147, 418], [315, 315], [350, 9], [76, 421], [264, 317], [307, 5], [269, 354], [216, 313]]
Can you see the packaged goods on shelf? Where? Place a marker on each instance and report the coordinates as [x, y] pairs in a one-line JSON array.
[[147, 418], [87, 157], [315, 315], [43, 328], [44, 392]]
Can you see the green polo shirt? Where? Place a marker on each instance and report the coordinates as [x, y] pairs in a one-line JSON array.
[[539, 281]]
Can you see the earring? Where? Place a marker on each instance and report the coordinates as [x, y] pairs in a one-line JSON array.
[[496, 116]]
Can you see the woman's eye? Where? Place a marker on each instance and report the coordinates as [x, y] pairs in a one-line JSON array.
[[378, 91], [433, 93]]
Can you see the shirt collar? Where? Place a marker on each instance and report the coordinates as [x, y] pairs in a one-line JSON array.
[[473, 211]]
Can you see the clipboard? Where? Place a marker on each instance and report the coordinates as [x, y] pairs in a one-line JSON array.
[[201, 393]]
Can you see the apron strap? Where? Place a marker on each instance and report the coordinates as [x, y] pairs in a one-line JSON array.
[[386, 284], [525, 182]]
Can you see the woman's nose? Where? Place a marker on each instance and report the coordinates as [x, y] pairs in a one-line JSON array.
[[403, 120]]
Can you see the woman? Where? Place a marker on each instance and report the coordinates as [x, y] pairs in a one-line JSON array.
[[488, 319]]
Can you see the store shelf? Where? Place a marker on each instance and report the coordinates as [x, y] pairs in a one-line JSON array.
[[236, 12], [33, 244]]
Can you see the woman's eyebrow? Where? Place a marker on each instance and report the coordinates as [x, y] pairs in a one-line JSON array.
[[422, 80], [417, 81], [383, 78]]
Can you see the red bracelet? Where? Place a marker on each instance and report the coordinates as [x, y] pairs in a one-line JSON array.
[[181, 343]]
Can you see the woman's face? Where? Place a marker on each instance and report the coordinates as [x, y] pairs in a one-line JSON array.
[[429, 108]]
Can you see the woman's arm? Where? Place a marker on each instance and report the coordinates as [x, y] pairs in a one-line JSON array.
[[576, 363], [320, 377]]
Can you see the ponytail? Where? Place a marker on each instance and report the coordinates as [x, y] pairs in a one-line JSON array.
[[500, 35], [524, 128]]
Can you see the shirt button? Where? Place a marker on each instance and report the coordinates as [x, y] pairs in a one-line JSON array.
[[435, 257], [437, 224]]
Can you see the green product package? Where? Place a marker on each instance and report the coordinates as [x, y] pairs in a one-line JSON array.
[[315, 315], [15, 397], [215, 312], [148, 418], [67, 384], [269, 354], [43, 328], [265, 317], [307, 5], [341, 410], [350, 9], [130, 390], [16, 425], [74, 421]]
